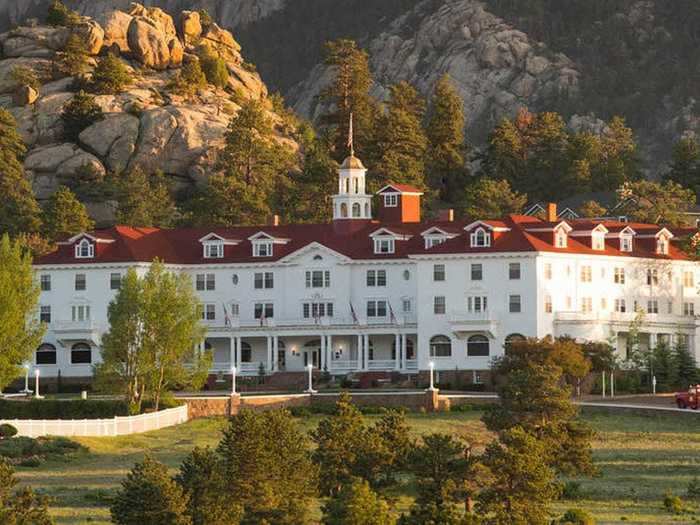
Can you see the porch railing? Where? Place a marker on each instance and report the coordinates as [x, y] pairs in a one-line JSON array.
[[382, 364]]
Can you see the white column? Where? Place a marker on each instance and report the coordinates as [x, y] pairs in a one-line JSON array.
[[231, 351], [275, 353], [239, 341], [652, 341], [404, 356], [269, 353], [366, 345], [329, 353], [360, 356], [397, 354], [322, 351]]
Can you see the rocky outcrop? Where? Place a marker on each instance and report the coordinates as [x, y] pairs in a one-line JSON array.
[[190, 26]]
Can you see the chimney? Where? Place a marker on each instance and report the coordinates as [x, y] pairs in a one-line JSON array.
[[446, 215], [552, 212], [275, 220]]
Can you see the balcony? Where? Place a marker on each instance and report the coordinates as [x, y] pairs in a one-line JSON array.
[[85, 330], [464, 322], [624, 319], [335, 321]]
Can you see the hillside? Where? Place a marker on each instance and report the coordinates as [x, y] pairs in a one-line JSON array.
[[148, 125]]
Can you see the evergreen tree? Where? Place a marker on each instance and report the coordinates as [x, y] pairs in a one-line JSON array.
[[348, 94], [189, 80], [81, 112], [144, 200], [664, 368], [591, 209], [685, 164], [20, 332], [357, 504], [25, 76], [656, 203], [523, 485], [73, 59], [446, 156], [229, 201], [110, 76], [214, 67], [267, 470], [202, 483], [393, 447], [19, 210], [492, 199], [65, 215], [401, 141], [23, 506], [59, 15], [686, 367], [149, 496]]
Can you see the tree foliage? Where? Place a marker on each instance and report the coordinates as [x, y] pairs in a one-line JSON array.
[[23, 506], [189, 80], [110, 76], [65, 215], [490, 199], [357, 504], [73, 59], [656, 203], [144, 200], [81, 112], [25, 76], [20, 332], [213, 67], [59, 15]]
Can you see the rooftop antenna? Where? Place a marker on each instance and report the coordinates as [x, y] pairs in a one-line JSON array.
[[350, 138]]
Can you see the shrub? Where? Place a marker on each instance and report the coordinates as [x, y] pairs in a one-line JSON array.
[[21, 450], [571, 490], [693, 491], [214, 68], [7, 431], [25, 76], [577, 517], [32, 462], [73, 60], [81, 112], [205, 19], [673, 503], [188, 80], [59, 15], [110, 76], [56, 409]]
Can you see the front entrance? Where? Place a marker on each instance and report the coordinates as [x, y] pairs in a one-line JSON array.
[[312, 350]]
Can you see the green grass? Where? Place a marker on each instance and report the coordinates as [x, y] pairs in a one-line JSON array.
[[640, 459]]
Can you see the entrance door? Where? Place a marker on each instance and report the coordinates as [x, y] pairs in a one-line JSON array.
[[311, 356]]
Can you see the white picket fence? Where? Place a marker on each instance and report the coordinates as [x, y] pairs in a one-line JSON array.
[[116, 426]]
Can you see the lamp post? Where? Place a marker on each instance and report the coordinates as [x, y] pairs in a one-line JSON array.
[[653, 385], [310, 368], [26, 379], [431, 365], [37, 372], [233, 381]]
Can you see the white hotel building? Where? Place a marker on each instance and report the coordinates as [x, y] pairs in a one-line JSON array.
[[384, 293]]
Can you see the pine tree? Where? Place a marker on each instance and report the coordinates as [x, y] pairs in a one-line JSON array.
[[189, 80], [446, 155], [664, 367], [357, 504], [348, 94], [59, 15], [73, 60], [391, 455], [401, 141], [149, 496], [214, 67], [23, 506], [685, 164], [19, 210], [81, 112], [686, 367], [144, 200], [65, 215], [229, 201], [492, 199], [655, 203], [202, 482], [110, 77], [591, 209], [267, 468]]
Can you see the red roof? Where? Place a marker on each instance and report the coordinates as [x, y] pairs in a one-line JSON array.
[[182, 246], [402, 188]]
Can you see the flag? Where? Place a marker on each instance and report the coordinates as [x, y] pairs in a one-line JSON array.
[[355, 320], [351, 146], [392, 317], [227, 319]]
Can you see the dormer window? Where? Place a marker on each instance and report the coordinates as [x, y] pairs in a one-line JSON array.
[[561, 239], [480, 239], [626, 244], [384, 245], [262, 249], [598, 241], [84, 250], [214, 250], [662, 246], [391, 200], [433, 241]]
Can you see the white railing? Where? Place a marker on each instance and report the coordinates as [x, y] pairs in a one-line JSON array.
[[344, 365], [116, 426], [412, 364], [382, 364], [85, 325], [462, 316], [249, 368]]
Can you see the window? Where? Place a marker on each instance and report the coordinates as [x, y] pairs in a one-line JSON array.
[[688, 279], [586, 274], [480, 239], [513, 339], [653, 306], [626, 243], [356, 210], [317, 310], [246, 352], [383, 246], [548, 271], [598, 241], [45, 281], [586, 305], [81, 354], [603, 303], [208, 312], [376, 277], [84, 249], [440, 346], [548, 304], [652, 277], [439, 305], [391, 200], [264, 280], [561, 240], [476, 304], [478, 346], [438, 272], [318, 279], [514, 304], [214, 250], [264, 310], [115, 281], [662, 246], [80, 312], [477, 271], [406, 275], [45, 314], [46, 355], [206, 281], [688, 308], [376, 309], [433, 241], [514, 271], [619, 276], [80, 282], [406, 306], [262, 249]]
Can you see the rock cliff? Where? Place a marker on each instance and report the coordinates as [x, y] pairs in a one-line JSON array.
[[145, 126]]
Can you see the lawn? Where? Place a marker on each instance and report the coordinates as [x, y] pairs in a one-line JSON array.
[[640, 458]]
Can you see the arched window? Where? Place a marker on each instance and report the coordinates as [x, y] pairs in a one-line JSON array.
[[356, 210], [513, 338], [84, 249], [480, 239], [366, 211], [440, 346], [478, 346], [343, 210], [81, 354], [246, 352], [46, 354]]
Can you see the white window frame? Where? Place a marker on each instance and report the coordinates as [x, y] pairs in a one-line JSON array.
[[214, 250], [561, 239], [626, 243], [620, 306], [391, 200], [598, 241], [263, 248], [480, 238], [689, 309], [688, 279], [586, 274], [662, 245], [384, 245], [89, 251], [619, 276]]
